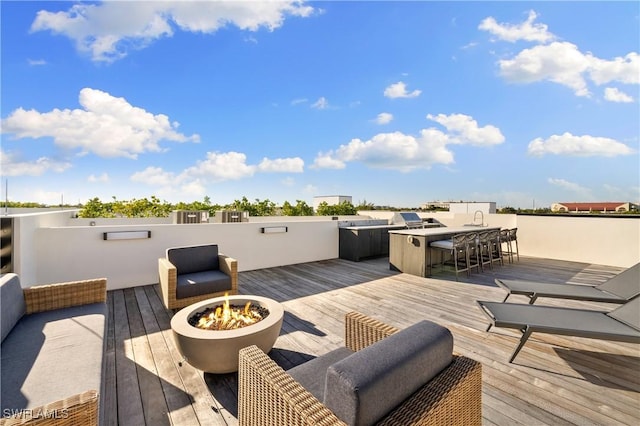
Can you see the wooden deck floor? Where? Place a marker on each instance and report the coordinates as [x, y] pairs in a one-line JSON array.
[[554, 380]]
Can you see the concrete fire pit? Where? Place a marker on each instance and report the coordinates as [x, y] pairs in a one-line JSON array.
[[216, 351]]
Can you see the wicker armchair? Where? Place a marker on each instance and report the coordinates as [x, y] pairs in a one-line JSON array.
[[269, 396], [80, 409], [194, 257]]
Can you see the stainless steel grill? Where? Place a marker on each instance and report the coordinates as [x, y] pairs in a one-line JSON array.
[[409, 219]]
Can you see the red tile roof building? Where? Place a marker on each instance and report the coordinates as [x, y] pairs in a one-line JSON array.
[[617, 207]]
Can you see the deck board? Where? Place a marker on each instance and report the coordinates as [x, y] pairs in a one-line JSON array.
[[555, 380]]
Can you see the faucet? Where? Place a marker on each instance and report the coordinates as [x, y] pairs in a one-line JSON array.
[[481, 217]]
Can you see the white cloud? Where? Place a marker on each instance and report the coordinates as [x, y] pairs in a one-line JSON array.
[[464, 130], [527, 30], [216, 167], [384, 118], [396, 151], [327, 161], [299, 101], [221, 166], [106, 31], [580, 146], [154, 176], [282, 165], [193, 188], [402, 152], [49, 198], [310, 189], [288, 181], [570, 186], [13, 166], [106, 126], [624, 70], [399, 90], [612, 94], [103, 178], [36, 62], [321, 103], [559, 62]]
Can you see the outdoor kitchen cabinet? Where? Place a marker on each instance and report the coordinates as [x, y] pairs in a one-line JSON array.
[[361, 242]]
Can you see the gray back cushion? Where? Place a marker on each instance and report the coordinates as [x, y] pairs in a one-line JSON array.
[[629, 313], [364, 387], [192, 259], [12, 306], [626, 284]]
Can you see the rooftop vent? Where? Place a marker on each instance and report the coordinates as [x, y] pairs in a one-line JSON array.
[[231, 216], [191, 216]]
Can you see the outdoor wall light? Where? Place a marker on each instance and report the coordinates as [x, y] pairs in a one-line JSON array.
[[126, 235], [274, 229]]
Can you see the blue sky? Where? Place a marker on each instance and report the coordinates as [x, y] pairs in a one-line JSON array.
[[394, 103]]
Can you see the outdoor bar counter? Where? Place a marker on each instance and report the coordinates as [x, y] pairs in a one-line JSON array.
[[409, 249]]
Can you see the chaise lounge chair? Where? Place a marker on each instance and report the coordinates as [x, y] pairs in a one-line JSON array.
[[622, 324], [619, 289]]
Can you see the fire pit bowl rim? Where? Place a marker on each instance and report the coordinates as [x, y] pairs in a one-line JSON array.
[[216, 351], [180, 319]]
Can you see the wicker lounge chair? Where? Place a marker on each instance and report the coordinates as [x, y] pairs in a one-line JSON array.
[[621, 324], [270, 396], [619, 289], [190, 274]]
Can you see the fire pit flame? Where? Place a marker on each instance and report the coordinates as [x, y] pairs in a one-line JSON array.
[[228, 317]]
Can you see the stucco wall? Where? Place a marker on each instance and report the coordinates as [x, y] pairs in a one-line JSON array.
[[47, 249], [590, 239], [70, 253]]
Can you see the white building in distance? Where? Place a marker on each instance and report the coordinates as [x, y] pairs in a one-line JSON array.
[[331, 200]]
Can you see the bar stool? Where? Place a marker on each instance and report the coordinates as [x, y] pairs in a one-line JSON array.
[[457, 246], [509, 237], [486, 248], [494, 247], [513, 239], [474, 255]]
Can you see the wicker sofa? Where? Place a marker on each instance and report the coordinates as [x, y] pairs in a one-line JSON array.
[[52, 355], [270, 396]]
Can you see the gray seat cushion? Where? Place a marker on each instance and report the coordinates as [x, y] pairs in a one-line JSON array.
[[12, 305], [364, 387], [53, 355], [312, 375], [188, 260], [198, 283]]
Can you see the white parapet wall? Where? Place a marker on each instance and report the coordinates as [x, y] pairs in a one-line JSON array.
[[52, 252], [611, 241], [54, 247]]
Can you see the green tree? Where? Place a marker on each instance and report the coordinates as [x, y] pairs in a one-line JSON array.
[[204, 205], [257, 208], [304, 208], [363, 205], [345, 208], [95, 208], [300, 209]]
